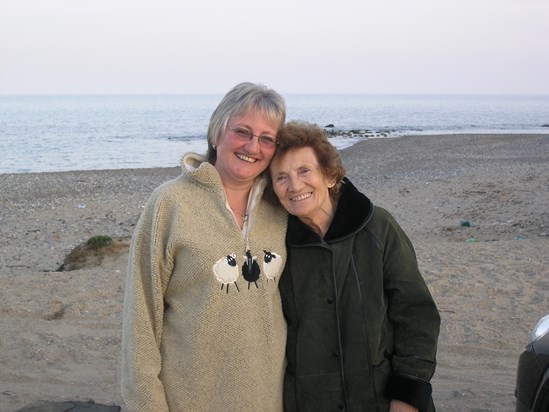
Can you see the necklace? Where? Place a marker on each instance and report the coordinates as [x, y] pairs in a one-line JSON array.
[[244, 215]]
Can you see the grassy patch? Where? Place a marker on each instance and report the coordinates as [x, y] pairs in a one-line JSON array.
[[97, 242], [92, 252]]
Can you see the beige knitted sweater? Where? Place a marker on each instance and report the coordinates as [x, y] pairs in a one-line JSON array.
[[200, 332]]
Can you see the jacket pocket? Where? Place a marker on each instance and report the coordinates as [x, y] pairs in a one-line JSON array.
[[313, 393], [382, 372]]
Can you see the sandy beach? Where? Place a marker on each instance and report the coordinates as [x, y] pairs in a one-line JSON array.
[[474, 206]]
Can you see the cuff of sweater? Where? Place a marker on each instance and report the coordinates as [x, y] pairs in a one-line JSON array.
[[409, 389]]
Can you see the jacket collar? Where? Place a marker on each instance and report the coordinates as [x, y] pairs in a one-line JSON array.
[[353, 211]]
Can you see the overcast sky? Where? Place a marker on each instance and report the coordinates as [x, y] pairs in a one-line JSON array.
[[294, 46]]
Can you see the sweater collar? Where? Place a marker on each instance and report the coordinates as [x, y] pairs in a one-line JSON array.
[[198, 169], [353, 211]]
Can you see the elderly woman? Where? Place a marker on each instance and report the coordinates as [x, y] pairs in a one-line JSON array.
[[362, 325], [203, 324]]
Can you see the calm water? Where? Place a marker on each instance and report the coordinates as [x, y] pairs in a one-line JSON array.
[[58, 133]]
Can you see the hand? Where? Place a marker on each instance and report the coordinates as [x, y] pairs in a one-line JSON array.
[[399, 406]]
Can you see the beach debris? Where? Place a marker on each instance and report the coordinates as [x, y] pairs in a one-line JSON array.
[[81, 206], [73, 406], [463, 393], [471, 240], [465, 223], [519, 237], [56, 311]]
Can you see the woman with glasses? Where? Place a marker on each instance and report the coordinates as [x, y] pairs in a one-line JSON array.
[[203, 325], [362, 325]]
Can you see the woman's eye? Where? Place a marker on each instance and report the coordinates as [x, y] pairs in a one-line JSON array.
[[242, 132], [267, 139]]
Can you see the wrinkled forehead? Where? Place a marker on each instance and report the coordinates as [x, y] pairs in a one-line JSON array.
[[293, 159]]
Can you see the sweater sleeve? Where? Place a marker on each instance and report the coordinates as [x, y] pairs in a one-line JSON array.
[[414, 317], [148, 274]]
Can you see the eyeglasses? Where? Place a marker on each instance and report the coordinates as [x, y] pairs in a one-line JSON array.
[[245, 135]]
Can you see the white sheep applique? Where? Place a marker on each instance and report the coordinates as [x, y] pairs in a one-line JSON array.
[[272, 264], [226, 271]]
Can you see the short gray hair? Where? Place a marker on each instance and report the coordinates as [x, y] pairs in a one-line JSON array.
[[237, 102]]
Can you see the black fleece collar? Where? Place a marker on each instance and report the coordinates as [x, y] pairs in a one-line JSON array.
[[353, 211]]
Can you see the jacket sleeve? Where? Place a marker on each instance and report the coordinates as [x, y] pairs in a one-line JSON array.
[[148, 274], [414, 316]]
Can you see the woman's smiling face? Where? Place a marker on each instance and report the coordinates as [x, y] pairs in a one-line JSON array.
[[302, 187], [242, 161]]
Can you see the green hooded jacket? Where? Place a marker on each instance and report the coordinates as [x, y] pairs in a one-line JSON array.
[[362, 325]]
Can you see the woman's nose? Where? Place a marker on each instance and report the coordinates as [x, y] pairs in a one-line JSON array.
[[252, 146], [295, 183]]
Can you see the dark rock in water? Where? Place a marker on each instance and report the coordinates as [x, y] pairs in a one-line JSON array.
[[329, 125], [45, 406], [545, 125], [359, 133]]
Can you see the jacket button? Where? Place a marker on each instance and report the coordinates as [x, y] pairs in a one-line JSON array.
[[329, 301], [341, 407], [335, 354]]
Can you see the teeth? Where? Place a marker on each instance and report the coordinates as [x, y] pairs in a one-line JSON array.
[[246, 158], [300, 197]]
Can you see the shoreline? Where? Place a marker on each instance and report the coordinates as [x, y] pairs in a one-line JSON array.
[[61, 330], [362, 135]]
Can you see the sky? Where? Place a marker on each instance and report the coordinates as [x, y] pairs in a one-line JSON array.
[[293, 46]]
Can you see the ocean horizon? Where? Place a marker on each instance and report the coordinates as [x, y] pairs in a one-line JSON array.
[[45, 133]]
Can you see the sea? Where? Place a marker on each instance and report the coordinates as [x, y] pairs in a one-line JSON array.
[[62, 133]]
